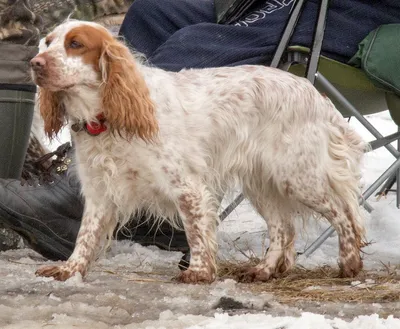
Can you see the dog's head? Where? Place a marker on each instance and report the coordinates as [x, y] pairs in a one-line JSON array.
[[82, 59]]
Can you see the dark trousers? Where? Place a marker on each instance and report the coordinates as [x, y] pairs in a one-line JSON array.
[[177, 34]]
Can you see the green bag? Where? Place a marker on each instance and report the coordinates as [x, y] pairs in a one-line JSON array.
[[379, 56]]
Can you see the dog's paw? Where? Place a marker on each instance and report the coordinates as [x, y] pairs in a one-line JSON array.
[[350, 266], [60, 273], [191, 276], [254, 274]]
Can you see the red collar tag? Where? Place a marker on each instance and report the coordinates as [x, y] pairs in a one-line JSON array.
[[96, 128]]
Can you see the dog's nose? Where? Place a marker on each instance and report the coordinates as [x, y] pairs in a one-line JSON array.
[[37, 63]]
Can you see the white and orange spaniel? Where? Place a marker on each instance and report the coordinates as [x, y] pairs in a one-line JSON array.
[[173, 143]]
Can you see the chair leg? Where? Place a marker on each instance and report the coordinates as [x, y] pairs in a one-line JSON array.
[[288, 31], [387, 187], [384, 141], [231, 207], [319, 32], [334, 93]]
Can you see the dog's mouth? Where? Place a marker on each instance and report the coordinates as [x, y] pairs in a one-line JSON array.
[[39, 79], [43, 81]]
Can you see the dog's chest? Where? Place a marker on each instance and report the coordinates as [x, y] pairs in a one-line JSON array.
[[124, 176]]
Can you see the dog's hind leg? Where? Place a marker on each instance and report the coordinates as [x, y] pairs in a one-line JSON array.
[[280, 256], [343, 212], [328, 185], [325, 178]]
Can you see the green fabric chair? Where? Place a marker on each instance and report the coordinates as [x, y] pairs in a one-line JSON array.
[[351, 82]]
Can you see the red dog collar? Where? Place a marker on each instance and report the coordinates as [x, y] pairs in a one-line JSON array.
[[93, 128]]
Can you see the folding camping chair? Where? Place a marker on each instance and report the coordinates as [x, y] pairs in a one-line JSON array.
[[347, 87]]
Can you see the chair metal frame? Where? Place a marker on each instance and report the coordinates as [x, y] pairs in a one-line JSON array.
[[311, 60]]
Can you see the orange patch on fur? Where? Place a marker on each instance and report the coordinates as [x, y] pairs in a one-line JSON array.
[[90, 44], [52, 111], [127, 105]]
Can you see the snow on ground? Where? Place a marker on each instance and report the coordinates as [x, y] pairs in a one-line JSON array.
[[131, 286]]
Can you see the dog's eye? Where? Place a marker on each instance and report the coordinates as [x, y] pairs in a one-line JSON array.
[[75, 44], [48, 42]]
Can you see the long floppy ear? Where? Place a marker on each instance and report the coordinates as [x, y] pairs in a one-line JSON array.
[[52, 111], [125, 97]]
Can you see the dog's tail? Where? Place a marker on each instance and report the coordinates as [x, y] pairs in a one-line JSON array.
[[346, 149]]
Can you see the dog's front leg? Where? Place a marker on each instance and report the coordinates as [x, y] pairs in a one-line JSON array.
[[198, 211], [96, 222]]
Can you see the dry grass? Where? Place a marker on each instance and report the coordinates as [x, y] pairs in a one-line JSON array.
[[323, 284]]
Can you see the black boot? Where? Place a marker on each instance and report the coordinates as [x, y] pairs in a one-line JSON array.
[[141, 230], [46, 211]]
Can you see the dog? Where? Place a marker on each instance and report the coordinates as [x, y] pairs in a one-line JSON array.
[[174, 143]]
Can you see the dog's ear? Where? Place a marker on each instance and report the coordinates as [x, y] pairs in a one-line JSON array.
[[52, 111], [126, 102]]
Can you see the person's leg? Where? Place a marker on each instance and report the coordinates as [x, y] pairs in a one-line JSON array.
[[251, 40], [19, 37], [52, 13], [18, 44], [150, 23], [177, 34]]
